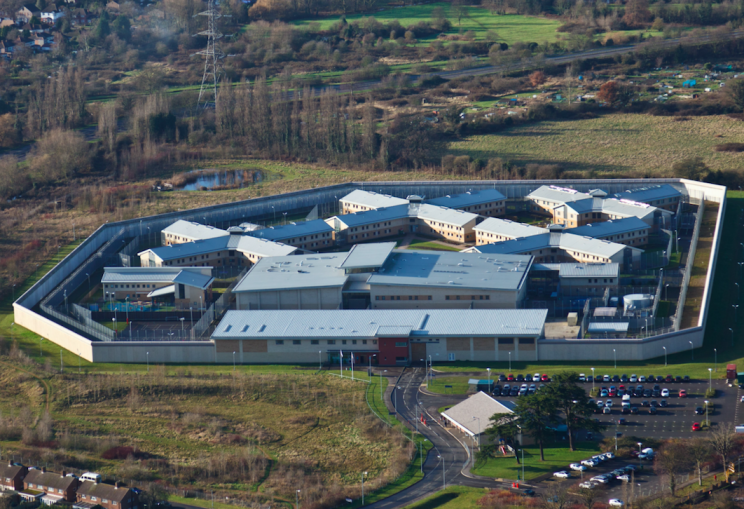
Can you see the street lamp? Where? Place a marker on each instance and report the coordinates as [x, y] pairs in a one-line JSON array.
[[114, 322], [363, 474], [320, 361], [421, 453], [509, 360], [692, 352], [707, 419], [127, 309], [479, 428], [233, 361], [715, 359], [489, 379], [710, 379], [148, 361], [444, 482], [592, 378], [41, 354], [182, 319], [665, 356], [297, 499], [666, 292], [614, 353]]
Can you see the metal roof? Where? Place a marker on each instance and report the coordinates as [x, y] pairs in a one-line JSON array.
[[475, 413], [453, 270], [557, 194], [368, 255], [470, 198], [294, 272], [369, 324], [508, 228], [372, 216], [292, 230], [185, 275], [586, 245], [372, 199], [445, 215], [589, 270], [420, 211], [166, 290], [194, 230], [608, 326], [242, 243], [611, 227], [649, 193]]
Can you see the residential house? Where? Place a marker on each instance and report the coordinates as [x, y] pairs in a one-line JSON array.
[[79, 17], [25, 13], [48, 487], [50, 17], [7, 22], [90, 494], [11, 476], [113, 7]]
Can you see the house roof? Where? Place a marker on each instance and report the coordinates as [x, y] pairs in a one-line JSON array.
[[294, 272], [101, 490], [194, 230], [445, 215], [508, 228], [364, 256], [475, 413], [373, 323], [371, 216], [453, 270], [611, 227], [649, 193], [188, 276], [10, 471], [49, 479], [292, 230], [372, 199], [569, 270], [470, 198]]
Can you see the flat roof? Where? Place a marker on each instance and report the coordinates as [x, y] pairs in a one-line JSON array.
[[194, 230], [570, 270], [372, 199], [470, 198], [364, 256], [372, 323], [554, 240], [508, 228], [608, 326], [199, 277], [453, 270], [611, 227], [649, 193], [475, 413], [294, 272], [291, 230]]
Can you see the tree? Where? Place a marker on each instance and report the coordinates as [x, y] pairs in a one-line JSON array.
[[537, 416], [588, 497], [58, 155], [608, 92], [103, 29], [573, 401], [636, 12], [699, 451], [8, 131], [723, 442], [556, 497], [736, 91], [504, 428], [537, 78], [122, 28], [672, 459]]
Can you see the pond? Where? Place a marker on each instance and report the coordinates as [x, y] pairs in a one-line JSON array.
[[204, 180]]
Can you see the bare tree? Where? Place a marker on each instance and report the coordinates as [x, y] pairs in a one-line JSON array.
[[700, 451], [672, 459], [723, 442], [556, 497], [588, 497]]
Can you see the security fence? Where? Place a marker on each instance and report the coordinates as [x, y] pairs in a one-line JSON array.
[[689, 265]]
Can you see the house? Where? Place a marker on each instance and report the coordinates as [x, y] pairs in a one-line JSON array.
[[188, 231], [113, 7], [11, 476], [25, 13], [51, 17], [108, 496], [7, 22], [79, 17], [48, 487], [360, 201]]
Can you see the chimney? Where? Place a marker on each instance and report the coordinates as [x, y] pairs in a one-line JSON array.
[[43, 470], [10, 463], [63, 473], [116, 485]]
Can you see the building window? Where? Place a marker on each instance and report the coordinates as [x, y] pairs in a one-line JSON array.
[[296, 341], [331, 341], [401, 344], [343, 341], [279, 341], [314, 342]]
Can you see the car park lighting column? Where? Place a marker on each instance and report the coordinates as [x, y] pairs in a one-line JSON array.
[[710, 379], [692, 352], [592, 378], [614, 354], [665, 356], [715, 359], [444, 482], [509, 360]]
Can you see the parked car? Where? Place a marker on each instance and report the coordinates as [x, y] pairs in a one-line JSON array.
[[641, 378], [545, 378], [624, 478], [589, 463], [616, 502], [510, 377], [663, 403], [682, 393], [520, 378], [606, 378], [623, 378], [633, 378], [685, 378], [587, 485], [496, 390], [562, 474], [527, 378], [582, 377], [652, 410], [696, 426], [608, 403], [665, 393], [607, 410], [654, 402], [609, 455], [622, 422], [634, 410], [577, 466], [502, 378]]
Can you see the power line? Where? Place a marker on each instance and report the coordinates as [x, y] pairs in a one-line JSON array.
[[213, 54]]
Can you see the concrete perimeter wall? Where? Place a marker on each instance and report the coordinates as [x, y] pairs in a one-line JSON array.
[[233, 213]]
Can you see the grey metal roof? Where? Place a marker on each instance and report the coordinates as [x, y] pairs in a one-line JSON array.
[[351, 323], [509, 228], [368, 255], [470, 198], [242, 243], [422, 211], [292, 230], [453, 270], [557, 194], [650, 193], [184, 275], [608, 326], [194, 230], [372, 216], [294, 272], [586, 245], [166, 290], [372, 199], [589, 270], [626, 208], [475, 413], [445, 215], [611, 227]]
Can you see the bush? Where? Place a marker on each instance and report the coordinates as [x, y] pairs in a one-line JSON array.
[[729, 147], [710, 393]]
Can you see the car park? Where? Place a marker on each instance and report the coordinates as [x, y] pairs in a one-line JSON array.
[[562, 474], [665, 393], [696, 426], [682, 393]]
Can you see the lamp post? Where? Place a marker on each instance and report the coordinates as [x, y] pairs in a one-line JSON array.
[[428, 377], [182, 319], [320, 361], [710, 378], [148, 361], [666, 292], [640, 460], [592, 378], [297, 499], [692, 352], [444, 482], [715, 359], [479, 428], [41, 354], [509, 360], [363, 474], [127, 308], [732, 336], [707, 419], [421, 453], [272, 208], [191, 310], [665, 356], [113, 320], [285, 222], [614, 353], [642, 332], [233, 361], [489, 379]]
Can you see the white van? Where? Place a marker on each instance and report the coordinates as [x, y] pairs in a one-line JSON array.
[[91, 476]]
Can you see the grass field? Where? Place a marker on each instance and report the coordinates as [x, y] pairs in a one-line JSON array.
[[454, 497], [557, 457], [617, 142], [510, 28], [433, 246]]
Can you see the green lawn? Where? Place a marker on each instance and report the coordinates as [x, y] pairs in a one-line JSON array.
[[454, 497], [510, 28], [557, 457], [433, 246]]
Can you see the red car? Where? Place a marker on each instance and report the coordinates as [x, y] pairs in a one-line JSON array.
[[682, 393], [696, 426], [544, 378], [510, 377]]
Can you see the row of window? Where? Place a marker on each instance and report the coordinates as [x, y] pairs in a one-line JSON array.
[[467, 297], [311, 237], [328, 342], [373, 234], [41, 488], [103, 500], [122, 287], [402, 297], [367, 227]]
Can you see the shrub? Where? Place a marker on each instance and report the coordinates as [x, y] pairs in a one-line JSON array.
[[730, 147]]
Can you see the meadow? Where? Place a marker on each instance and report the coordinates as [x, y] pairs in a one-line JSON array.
[[510, 28], [612, 143]]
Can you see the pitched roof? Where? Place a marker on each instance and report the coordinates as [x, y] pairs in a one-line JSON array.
[[241, 243], [372, 199], [364, 256], [49, 479], [508, 228], [188, 276], [611, 227], [194, 230], [554, 240], [557, 194], [649, 193], [470, 198], [10, 471], [292, 230], [422, 211], [475, 413], [101, 490]]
